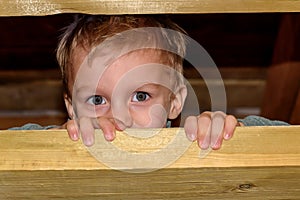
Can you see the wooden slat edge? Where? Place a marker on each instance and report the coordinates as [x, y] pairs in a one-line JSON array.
[[198, 183], [43, 7], [53, 150]]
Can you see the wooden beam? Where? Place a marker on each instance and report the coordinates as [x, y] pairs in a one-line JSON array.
[[251, 146], [45, 103], [258, 163], [42, 117], [244, 88], [37, 95], [44, 7], [47, 95]]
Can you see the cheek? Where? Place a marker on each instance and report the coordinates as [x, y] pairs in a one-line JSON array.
[[154, 116]]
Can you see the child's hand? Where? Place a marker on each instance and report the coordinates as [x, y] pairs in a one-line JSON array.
[[87, 127], [210, 128]]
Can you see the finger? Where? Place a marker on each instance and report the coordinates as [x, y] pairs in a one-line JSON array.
[[72, 129], [230, 124], [119, 125], [204, 129], [108, 127], [87, 130], [191, 127], [217, 129]]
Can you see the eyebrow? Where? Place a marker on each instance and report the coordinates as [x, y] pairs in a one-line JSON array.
[[84, 89], [150, 85]]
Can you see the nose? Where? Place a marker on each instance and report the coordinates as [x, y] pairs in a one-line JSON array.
[[121, 114]]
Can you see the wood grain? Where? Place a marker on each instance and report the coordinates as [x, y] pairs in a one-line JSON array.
[[45, 7], [258, 163], [251, 146], [194, 183]]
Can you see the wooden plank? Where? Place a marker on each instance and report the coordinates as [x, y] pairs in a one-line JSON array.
[[44, 7], [45, 95], [37, 95], [45, 118], [29, 75], [239, 93], [258, 163], [227, 72], [194, 183], [244, 88], [251, 146]]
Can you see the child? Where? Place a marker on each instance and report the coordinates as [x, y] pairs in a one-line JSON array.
[[118, 73], [117, 98]]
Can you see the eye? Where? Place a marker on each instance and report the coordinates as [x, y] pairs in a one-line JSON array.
[[96, 100], [140, 96]]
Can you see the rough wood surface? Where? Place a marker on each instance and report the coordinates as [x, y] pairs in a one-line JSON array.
[[237, 183], [258, 163], [251, 146], [46, 7]]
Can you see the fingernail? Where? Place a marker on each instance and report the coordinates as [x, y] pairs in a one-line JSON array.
[[75, 137], [88, 142], [226, 136], [110, 136], [216, 146], [203, 145], [192, 137]]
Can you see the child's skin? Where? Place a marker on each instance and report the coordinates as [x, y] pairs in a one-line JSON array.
[[133, 86], [138, 104]]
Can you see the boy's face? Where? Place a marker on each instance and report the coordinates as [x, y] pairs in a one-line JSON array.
[[135, 89]]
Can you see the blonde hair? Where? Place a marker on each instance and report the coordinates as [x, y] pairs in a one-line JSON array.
[[88, 31]]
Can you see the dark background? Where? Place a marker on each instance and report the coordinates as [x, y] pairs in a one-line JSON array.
[[246, 47], [231, 39]]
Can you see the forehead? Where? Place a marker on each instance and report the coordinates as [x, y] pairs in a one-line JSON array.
[[136, 57], [138, 67], [143, 56], [107, 67], [141, 63]]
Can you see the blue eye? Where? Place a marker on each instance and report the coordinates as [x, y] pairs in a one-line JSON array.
[[96, 100], [140, 96]]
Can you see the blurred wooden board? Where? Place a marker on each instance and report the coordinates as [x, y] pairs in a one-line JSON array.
[[45, 7], [39, 95], [258, 163], [36, 96], [44, 119], [42, 101]]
